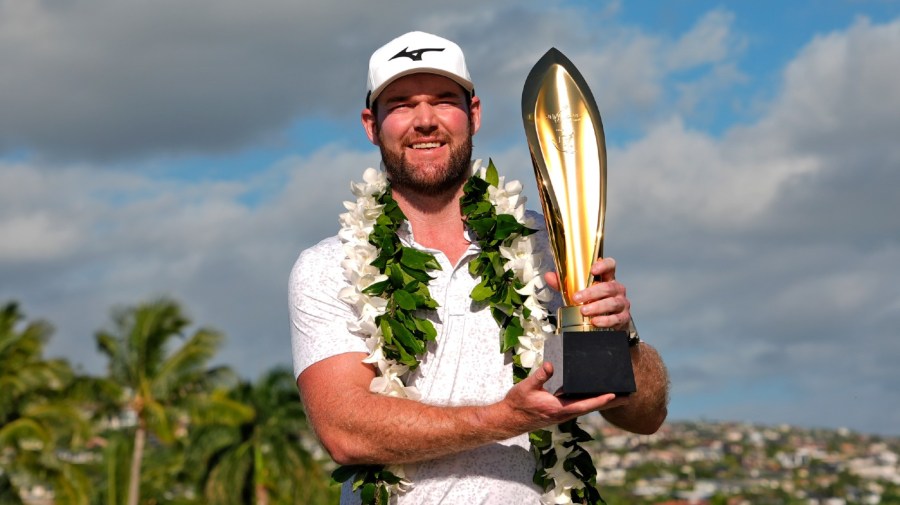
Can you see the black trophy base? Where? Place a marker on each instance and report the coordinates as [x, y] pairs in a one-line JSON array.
[[595, 363]]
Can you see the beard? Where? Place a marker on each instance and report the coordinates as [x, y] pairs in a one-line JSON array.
[[432, 179]]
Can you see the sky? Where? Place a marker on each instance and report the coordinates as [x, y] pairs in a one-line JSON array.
[[155, 148]]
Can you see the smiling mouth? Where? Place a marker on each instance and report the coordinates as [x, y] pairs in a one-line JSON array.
[[426, 145]]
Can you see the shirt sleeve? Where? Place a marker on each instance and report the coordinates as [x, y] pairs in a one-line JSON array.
[[318, 317]]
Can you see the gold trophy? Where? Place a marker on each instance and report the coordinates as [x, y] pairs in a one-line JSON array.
[[568, 151]]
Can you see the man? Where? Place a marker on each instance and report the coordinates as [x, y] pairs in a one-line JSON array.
[[466, 440]]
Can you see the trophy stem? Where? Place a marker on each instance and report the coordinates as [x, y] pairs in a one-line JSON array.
[[571, 319]]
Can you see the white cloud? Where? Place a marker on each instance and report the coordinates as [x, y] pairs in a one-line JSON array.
[[840, 92], [36, 236], [100, 79], [133, 238], [677, 175], [711, 40], [769, 250]]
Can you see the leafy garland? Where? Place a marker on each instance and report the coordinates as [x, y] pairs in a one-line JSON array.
[[389, 283]]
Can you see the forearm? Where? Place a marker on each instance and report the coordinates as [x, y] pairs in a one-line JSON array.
[[360, 427], [645, 409], [398, 430]]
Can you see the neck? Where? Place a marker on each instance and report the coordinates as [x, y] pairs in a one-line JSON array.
[[436, 220]]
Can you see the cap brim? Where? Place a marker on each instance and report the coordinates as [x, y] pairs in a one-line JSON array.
[[466, 84]]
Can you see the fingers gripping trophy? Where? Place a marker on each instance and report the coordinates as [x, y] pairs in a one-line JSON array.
[[568, 151]]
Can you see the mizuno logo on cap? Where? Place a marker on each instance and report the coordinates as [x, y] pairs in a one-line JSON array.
[[416, 54]]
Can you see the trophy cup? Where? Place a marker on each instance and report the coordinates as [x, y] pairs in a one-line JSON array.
[[568, 151]]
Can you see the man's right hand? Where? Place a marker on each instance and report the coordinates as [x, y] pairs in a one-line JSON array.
[[535, 408]]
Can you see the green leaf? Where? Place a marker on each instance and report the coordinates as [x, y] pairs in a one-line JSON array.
[[377, 288], [500, 314], [496, 261], [577, 432], [427, 328], [384, 496], [405, 337], [520, 373], [397, 276], [482, 291], [360, 478], [512, 333], [406, 358], [506, 226], [386, 331], [424, 298], [583, 464], [404, 300], [476, 266], [481, 226], [345, 472], [368, 493], [419, 275], [540, 438], [477, 188], [491, 174], [420, 260], [388, 477]]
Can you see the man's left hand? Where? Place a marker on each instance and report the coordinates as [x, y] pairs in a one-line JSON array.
[[604, 300]]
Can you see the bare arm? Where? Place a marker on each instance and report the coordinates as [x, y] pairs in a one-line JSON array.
[[360, 427], [646, 409]]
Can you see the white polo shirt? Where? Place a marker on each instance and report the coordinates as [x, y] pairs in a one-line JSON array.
[[463, 366]]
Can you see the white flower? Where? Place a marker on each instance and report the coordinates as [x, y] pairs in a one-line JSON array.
[[520, 258], [390, 382], [363, 280], [369, 307], [358, 270], [562, 478], [400, 471], [374, 183], [507, 198], [558, 438], [477, 169], [556, 496], [350, 295], [375, 345], [531, 351], [517, 254], [538, 310], [538, 327]]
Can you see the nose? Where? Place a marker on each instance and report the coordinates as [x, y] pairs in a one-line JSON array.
[[425, 120]]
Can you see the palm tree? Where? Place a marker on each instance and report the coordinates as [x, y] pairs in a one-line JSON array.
[[267, 459], [163, 384], [38, 422]]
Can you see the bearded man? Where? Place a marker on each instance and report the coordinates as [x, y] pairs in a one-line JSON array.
[[463, 437]]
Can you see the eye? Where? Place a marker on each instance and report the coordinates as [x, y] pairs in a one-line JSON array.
[[398, 106]]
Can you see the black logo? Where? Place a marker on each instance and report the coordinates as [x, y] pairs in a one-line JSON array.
[[415, 55]]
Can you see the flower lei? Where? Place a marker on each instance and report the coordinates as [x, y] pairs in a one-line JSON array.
[[389, 283]]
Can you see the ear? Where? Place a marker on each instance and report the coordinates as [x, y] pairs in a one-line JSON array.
[[368, 120], [475, 114]]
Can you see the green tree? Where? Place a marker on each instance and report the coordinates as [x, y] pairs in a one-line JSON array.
[[164, 386], [38, 422], [264, 460]]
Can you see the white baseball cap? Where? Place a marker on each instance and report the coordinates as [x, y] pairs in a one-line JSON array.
[[412, 53]]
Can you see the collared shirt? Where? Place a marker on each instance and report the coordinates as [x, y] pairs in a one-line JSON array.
[[463, 366]]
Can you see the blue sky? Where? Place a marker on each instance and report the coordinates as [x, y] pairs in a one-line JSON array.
[[148, 149]]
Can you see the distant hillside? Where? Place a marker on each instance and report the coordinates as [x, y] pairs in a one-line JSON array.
[[732, 463]]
